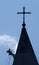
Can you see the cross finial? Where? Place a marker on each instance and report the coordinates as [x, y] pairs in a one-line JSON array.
[[23, 16]]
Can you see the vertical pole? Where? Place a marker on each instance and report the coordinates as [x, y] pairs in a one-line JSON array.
[[23, 15]]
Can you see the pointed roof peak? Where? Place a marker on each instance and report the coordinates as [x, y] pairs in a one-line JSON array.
[[23, 24]]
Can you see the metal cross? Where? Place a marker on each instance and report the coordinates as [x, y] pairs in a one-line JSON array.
[[23, 15]]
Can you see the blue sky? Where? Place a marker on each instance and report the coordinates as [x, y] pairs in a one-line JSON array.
[[11, 24]]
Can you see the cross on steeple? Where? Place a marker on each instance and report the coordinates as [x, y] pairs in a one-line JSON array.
[[23, 16]]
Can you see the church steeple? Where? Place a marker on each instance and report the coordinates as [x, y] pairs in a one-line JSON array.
[[25, 54]]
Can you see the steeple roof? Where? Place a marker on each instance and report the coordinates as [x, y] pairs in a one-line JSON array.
[[25, 54], [24, 44]]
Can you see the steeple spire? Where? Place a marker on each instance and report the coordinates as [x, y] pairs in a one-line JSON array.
[[25, 54], [23, 16]]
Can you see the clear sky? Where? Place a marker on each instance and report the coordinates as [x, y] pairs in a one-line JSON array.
[[11, 24]]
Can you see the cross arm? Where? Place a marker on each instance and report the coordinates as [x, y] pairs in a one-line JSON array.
[[23, 12]]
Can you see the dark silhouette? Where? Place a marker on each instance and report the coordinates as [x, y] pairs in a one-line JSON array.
[[25, 54], [10, 53], [23, 15]]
